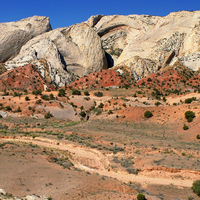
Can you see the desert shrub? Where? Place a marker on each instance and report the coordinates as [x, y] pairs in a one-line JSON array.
[[148, 114], [37, 92], [48, 115], [185, 127], [196, 187], [198, 137], [51, 96], [61, 93], [8, 108], [101, 105], [189, 115], [98, 94], [86, 93], [190, 100], [141, 197], [27, 98], [110, 112], [1, 116], [116, 149], [76, 92], [164, 99], [82, 114], [157, 103], [149, 79], [18, 109], [38, 101], [45, 97], [98, 112], [87, 98], [17, 94]]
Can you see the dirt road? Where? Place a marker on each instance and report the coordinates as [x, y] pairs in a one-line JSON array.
[[95, 161]]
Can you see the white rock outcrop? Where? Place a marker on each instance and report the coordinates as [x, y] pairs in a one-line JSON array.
[[13, 35], [147, 43], [67, 52]]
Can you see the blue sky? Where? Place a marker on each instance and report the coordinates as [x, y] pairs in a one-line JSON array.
[[67, 12]]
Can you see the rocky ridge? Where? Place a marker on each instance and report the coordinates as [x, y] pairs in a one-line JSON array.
[[63, 54], [13, 35], [146, 43], [141, 44]]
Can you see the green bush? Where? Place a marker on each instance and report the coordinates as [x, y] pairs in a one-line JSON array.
[[45, 97], [196, 187], [110, 112], [98, 94], [48, 115], [51, 96], [189, 115], [198, 137], [157, 103], [141, 197], [37, 92], [27, 98], [82, 114], [190, 100], [101, 105], [61, 93], [148, 114], [185, 127], [86, 93], [8, 108], [76, 92]]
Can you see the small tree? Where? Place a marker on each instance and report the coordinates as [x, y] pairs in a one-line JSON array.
[[76, 92], [61, 93], [189, 115], [196, 187], [48, 115], [101, 105], [98, 94], [157, 103], [86, 93], [141, 197], [185, 127], [27, 98], [148, 114], [82, 114], [51, 96]]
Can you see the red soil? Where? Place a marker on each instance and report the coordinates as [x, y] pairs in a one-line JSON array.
[[103, 78], [160, 80], [26, 77]]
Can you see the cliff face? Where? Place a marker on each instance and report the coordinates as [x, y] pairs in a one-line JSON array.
[[147, 43], [142, 44], [14, 35], [63, 54]]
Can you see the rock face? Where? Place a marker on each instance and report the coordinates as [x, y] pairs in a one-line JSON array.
[[147, 43], [14, 35], [141, 44], [63, 54]]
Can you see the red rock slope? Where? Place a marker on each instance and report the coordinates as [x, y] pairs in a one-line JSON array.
[[26, 77]]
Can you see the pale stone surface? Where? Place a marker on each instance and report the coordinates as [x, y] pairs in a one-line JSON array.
[[63, 54], [148, 43], [13, 35]]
